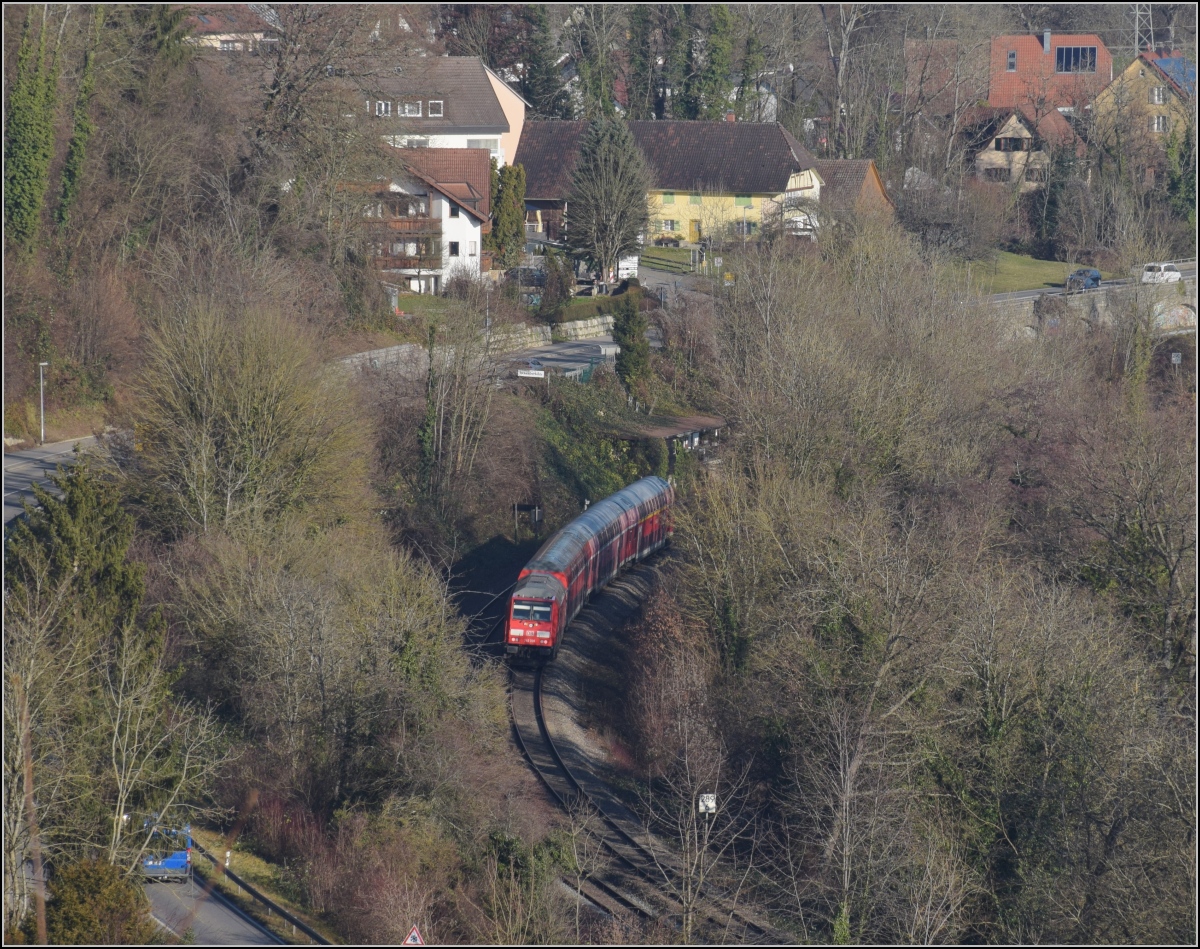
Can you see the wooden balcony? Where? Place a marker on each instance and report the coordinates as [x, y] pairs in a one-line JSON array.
[[424, 226], [427, 263]]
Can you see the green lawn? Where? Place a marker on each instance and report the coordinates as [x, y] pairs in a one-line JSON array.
[[421, 303], [1008, 272], [678, 255]]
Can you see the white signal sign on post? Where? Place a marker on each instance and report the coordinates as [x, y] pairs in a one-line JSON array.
[[532, 373], [708, 803], [414, 938]]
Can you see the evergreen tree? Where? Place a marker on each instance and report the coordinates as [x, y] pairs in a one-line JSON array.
[[95, 903], [710, 60], [540, 83], [606, 207], [30, 137], [629, 332], [657, 57], [508, 216]]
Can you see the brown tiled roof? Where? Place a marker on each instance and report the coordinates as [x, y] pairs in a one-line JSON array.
[[226, 18], [1035, 78], [462, 174], [469, 102], [847, 182], [726, 157], [548, 150]]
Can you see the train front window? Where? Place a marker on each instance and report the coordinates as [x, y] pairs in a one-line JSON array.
[[526, 610]]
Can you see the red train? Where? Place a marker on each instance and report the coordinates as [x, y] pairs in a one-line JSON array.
[[582, 557]]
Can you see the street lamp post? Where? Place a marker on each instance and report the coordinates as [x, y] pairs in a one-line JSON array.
[[42, 397]]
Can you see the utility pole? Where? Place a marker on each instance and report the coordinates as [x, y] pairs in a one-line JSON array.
[[42, 398]]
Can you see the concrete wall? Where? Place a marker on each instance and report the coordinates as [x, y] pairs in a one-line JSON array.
[[1081, 311]]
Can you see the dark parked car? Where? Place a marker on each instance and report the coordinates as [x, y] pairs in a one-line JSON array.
[[1086, 278]]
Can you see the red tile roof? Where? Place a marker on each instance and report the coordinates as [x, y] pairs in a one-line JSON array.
[[849, 183], [1035, 82], [462, 174], [225, 18]]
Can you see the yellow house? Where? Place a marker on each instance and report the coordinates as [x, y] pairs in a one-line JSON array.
[[1146, 103], [725, 179]]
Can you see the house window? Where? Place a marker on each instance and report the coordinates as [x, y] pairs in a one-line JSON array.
[[491, 144], [416, 143], [454, 210], [695, 199], [669, 226], [1158, 95], [454, 248], [472, 249], [1035, 173], [1012, 144], [668, 197], [228, 46], [435, 108], [383, 108], [1158, 124], [742, 201], [412, 109], [995, 174], [1075, 59], [1012, 60]]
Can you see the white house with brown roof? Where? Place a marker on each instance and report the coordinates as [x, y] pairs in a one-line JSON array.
[[229, 28], [426, 224], [447, 102]]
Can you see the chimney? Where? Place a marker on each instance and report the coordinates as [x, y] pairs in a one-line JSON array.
[[1046, 42], [730, 117]]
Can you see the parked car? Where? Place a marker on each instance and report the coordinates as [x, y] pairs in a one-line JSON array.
[[170, 854], [1085, 278], [1160, 273]]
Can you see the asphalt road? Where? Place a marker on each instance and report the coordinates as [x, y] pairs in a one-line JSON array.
[[212, 919], [23, 468]]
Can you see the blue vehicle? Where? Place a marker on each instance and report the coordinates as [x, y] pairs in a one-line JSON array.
[[171, 854], [1085, 278]]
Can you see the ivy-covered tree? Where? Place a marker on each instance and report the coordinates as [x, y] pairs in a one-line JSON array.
[[708, 84], [657, 59], [1181, 174], [606, 208], [81, 131], [29, 135]]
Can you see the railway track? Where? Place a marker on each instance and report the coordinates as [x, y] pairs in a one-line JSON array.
[[635, 878]]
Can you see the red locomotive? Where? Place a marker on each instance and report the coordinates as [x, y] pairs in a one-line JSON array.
[[582, 557]]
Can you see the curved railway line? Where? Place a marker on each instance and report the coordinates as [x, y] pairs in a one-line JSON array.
[[634, 880]]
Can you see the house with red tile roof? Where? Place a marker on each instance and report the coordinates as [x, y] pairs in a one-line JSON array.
[[426, 223], [852, 186], [1052, 71], [228, 27]]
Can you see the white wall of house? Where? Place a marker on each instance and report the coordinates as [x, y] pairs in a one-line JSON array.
[[489, 140], [463, 232]]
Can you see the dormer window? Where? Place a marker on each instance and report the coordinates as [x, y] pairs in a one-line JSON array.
[[412, 109], [1012, 60], [435, 108], [383, 108], [1075, 59]]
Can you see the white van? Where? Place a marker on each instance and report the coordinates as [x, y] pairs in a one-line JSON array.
[[1160, 273]]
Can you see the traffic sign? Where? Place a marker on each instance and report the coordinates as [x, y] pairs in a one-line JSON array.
[[414, 938], [532, 373], [708, 803]]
